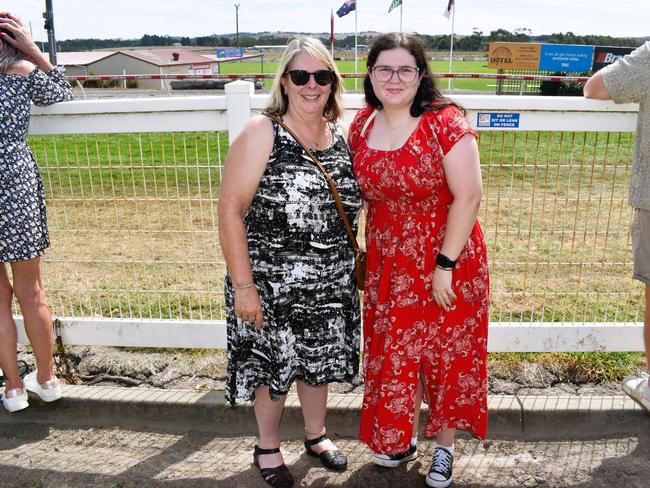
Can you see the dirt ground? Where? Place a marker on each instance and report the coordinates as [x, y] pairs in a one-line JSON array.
[[41, 456]]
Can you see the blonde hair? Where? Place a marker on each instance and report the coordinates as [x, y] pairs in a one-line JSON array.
[[279, 102]]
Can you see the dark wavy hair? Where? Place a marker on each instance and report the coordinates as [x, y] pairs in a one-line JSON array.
[[428, 97]]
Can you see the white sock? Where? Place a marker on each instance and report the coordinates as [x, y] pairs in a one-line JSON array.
[[449, 448]]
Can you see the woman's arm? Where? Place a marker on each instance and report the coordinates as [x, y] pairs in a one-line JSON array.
[[245, 165], [463, 172], [596, 88]]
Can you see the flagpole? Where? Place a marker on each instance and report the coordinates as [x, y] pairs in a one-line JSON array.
[[332, 32], [356, 45], [400, 16], [451, 49]]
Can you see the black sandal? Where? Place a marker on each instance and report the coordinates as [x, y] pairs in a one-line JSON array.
[[277, 477], [332, 459]]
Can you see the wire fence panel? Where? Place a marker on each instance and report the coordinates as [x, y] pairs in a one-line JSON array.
[[556, 218], [133, 216], [133, 224]]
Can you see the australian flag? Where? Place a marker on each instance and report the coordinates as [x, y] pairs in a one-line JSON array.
[[347, 7]]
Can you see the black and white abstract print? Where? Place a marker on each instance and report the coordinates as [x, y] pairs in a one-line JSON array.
[[303, 267], [23, 223]]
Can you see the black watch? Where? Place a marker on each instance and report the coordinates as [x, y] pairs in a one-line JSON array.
[[444, 262]]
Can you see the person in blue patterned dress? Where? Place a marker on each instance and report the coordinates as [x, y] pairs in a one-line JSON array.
[[26, 76], [291, 299]]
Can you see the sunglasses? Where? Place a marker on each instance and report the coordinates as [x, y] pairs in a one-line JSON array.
[[300, 77]]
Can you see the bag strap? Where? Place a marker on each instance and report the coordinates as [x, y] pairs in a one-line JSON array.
[[330, 182]]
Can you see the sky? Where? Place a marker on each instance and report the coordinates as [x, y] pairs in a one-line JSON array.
[[107, 19]]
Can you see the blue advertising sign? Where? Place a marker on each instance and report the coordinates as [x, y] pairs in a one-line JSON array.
[[505, 120], [566, 58], [230, 52]]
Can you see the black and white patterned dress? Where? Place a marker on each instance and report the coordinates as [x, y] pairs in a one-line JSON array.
[[23, 223], [303, 266]]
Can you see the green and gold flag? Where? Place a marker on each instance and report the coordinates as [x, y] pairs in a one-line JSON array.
[[394, 4]]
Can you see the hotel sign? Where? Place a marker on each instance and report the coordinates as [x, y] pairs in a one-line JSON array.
[[565, 58], [514, 55]]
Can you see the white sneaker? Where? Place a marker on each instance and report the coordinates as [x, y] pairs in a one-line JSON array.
[[394, 460], [637, 388], [15, 399], [49, 391]]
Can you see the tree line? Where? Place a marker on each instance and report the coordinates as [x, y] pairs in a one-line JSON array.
[[477, 41]]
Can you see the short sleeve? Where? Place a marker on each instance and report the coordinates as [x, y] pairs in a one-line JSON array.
[[49, 88], [354, 134], [448, 125], [628, 79]]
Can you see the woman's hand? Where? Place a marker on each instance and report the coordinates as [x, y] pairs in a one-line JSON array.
[[442, 292], [21, 40], [248, 306]]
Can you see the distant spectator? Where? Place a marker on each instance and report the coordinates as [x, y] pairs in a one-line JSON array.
[[23, 223], [628, 81]]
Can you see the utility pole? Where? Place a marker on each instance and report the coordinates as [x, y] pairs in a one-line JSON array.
[[237, 22], [48, 15]]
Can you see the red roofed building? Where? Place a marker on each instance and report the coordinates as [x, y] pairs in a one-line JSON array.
[[152, 61]]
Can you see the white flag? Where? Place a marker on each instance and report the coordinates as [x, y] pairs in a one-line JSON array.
[[447, 11]]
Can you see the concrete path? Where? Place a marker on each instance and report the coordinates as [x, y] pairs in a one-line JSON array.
[[127, 438]]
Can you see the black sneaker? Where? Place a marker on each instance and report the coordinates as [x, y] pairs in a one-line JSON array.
[[394, 460], [440, 472]]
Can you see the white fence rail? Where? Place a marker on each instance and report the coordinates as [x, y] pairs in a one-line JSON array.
[[132, 189]]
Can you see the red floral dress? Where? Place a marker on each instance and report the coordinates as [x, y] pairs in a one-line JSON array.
[[406, 334]]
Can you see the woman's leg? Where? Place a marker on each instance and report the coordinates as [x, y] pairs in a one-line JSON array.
[[267, 414], [416, 410], [313, 403], [30, 294], [8, 337], [445, 438]]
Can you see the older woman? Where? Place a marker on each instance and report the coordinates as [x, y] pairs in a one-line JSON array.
[[23, 224], [292, 304], [426, 296]]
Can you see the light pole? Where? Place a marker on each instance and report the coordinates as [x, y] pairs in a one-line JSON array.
[[237, 22], [48, 15]]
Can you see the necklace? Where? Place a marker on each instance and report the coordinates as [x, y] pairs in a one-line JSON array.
[[322, 141]]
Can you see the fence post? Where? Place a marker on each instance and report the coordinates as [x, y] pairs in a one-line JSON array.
[[238, 102]]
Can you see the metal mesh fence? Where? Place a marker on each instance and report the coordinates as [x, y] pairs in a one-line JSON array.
[[556, 219], [133, 224]]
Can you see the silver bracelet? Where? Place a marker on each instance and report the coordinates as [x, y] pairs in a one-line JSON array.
[[444, 269], [241, 287]]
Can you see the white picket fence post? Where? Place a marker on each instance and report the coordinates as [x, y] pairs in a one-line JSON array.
[[238, 102]]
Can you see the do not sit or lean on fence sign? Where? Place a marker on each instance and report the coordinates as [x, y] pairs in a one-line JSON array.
[[505, 120]]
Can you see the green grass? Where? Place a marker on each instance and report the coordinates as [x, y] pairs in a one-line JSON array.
[[585, 367], [121, 165], [348, 67]]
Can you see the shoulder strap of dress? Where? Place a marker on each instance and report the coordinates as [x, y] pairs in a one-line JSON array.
[[367, 122]]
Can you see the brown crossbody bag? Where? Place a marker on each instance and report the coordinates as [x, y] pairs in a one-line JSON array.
[[359, 255]]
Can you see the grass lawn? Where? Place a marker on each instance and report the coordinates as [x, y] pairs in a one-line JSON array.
[[348, 67], [133, 224]]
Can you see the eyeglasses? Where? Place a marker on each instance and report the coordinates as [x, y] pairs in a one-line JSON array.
[[300, 77], [405, 74]]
